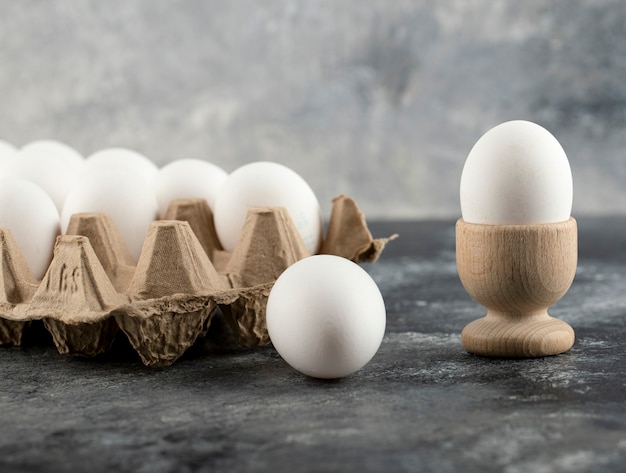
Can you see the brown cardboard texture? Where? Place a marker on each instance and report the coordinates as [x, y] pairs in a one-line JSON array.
[[165, 302], [17, 286]]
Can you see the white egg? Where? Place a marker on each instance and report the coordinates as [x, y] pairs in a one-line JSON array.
[[187, 178], [57, 149], [126, 197], [7, 154], [50, 172], [31, 216], [267, 184], [7, 150], [516, 173], [326, 316], [125, 160]]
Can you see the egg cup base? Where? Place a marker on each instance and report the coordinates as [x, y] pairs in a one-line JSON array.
[[508, 337]]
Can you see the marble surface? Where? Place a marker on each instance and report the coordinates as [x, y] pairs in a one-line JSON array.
[[422, 403]]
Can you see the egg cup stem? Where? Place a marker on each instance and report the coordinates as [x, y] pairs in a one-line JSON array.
[[517, 272]]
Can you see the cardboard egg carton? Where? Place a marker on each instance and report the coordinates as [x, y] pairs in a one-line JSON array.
[[93, 288]]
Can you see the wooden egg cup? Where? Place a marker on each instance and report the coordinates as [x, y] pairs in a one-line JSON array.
[[517, 272]]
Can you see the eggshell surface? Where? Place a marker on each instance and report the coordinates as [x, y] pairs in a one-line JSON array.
[[267, 184], [50, 172], [121, 159], [31, 216], [517, 173], [55, 148], [187, 178], [126, 197], [7, 150], [7, 154], [326, 316]]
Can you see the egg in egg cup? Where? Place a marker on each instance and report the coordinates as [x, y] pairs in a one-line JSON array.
[[516, 244]]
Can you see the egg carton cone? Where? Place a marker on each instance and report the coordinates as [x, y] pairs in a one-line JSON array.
[[165, 301], [17, 287]]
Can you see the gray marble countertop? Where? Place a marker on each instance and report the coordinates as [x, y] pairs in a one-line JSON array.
[[422, 403]]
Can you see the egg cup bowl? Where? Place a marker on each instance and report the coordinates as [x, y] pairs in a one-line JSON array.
[[92, 288], [517, 272]]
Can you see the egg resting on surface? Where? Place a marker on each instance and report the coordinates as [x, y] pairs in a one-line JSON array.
[[326, 316], [126, 197], [517, 173], [187, 178], [267, 184], [31, 216]]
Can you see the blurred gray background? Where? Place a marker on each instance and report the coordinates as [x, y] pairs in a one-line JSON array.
[[378, 99]]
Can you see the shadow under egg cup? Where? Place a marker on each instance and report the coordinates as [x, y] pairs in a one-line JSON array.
[[517, 272]]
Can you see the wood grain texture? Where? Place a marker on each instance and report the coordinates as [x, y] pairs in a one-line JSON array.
[[517, 272]]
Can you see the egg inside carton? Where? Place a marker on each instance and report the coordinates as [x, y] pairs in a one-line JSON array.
[[92, 288]]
